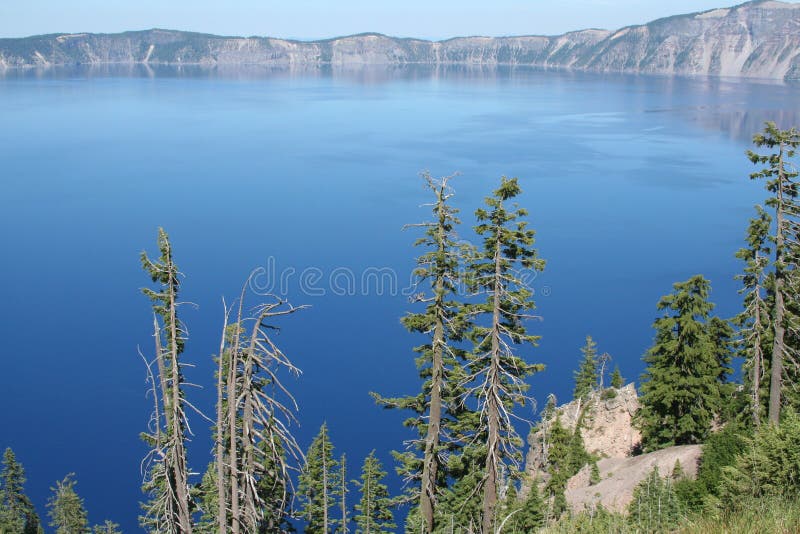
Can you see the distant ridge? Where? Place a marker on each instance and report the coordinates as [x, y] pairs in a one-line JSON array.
[[759, 39]]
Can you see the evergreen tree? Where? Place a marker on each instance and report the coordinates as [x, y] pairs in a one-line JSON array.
[[497, 369], [566, 455], [108, 527], [655, 506], [753, 322], [166, 480], [682, 388], [616, 378], [318, 484], [341, 491], [781, 175], [439, 405], [586, 375], [374, 515], [17, 514], [65, 508], [520, 516]]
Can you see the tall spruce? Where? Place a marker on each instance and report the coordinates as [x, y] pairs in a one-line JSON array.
[[317, 484], [65, 508], [373, 511], [166, 481], [498, 271], [586, 376], [780, 173], [616, 378], [754, 320], [439, 406], [255, 412], [17, 514], [683, 385]]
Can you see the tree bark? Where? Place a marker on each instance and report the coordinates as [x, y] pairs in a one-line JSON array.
[[492, 408], [778, 345]]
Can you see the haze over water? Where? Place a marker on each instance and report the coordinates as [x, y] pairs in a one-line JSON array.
[[632, 183]]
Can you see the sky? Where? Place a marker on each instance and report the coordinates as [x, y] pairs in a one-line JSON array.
[[314, 19]]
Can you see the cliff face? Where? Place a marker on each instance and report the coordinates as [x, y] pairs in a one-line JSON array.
[[607, 427], [757, 39]]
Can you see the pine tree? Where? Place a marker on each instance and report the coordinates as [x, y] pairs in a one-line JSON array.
[[682, 388], [341, 491], [17, 514], [438, 407], [586, 375], [521, 516], [499, 372], [318, 484], [254, 414], [754, 320], [166, 481], [374, 515], [616, 378], [781, 175], [655, 506], [66, 510], [108, 527]]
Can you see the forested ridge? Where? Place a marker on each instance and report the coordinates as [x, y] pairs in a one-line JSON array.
[[729, 384]]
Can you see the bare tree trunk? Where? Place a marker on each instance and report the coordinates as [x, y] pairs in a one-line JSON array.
[[778, 345], [233, 453], [492, 407], [180, 469], [343, 475]]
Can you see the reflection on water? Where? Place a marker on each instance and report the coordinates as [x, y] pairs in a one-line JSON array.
[[737, 108]]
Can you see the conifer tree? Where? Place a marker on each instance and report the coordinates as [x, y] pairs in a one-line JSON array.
[[781, 175], [616, 378], [166, 480], [318, 484], [341, 491], [374, 515], [496, 272], [754, 320], [655, 506], [17, 514], [682, 387], [439, 406], [108, 527], [586, 375], [66, 510], [255, 411]]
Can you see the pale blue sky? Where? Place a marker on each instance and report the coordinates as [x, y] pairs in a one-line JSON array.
[[434, 19]]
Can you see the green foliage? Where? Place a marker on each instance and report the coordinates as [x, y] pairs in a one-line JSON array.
[[655, 506], [566, 455], [460, 503], [586, 374], [594, 474], [65, 509], [685, 381], [317, 483], [768, 466], [374, 515], [519, 516], [616, 378], [499, 331], [591, 521], [17, 514], [754, 515], [108, 527]]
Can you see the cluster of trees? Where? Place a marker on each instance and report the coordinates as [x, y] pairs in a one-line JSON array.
[[462, 469]]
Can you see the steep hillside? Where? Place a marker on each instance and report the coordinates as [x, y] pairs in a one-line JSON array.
[[759, 39]]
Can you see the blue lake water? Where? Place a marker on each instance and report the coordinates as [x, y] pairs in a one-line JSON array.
[[632, 183]]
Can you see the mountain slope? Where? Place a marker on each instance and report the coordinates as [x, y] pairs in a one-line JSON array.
[[759, 39]]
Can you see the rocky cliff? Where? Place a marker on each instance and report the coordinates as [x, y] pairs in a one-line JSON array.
[[759, 39]]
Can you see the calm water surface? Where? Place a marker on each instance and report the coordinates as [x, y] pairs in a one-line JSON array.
[[632, 183]]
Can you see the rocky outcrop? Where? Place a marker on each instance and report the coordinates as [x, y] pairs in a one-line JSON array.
[[619, 477], [606, 425], [759, 39]]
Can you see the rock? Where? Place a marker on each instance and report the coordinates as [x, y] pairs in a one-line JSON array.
[[759, 39], [619, 477]]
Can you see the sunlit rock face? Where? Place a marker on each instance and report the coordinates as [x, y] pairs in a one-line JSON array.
[[755, 40]]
